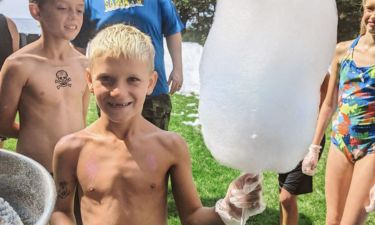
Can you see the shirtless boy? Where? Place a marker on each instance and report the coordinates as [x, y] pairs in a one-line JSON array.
[[45, 83], [123, 162]]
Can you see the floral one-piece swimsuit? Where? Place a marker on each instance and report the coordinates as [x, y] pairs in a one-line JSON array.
[[353, 125]]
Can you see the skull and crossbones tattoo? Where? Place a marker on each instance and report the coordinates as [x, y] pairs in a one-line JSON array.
[[62, 79]]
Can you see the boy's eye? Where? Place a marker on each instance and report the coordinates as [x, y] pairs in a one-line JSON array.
[[106, 79], [133, 79], [80, 10]]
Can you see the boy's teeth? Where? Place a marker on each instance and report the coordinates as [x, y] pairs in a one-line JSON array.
[[71, 27], [119, 104]]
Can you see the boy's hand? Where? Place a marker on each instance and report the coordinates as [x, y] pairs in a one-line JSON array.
[[311, 160], [244, 193], [175, 81], [371, 206]]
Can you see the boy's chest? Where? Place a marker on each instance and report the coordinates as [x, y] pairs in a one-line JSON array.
[[122, 173], [51, 86]]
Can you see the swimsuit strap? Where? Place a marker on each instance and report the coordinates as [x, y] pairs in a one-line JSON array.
[[355, 42], [349, 55]]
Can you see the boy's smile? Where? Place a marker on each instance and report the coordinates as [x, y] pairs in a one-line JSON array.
[[118, 105]]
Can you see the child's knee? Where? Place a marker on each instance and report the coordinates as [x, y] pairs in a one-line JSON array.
[[287, 200]]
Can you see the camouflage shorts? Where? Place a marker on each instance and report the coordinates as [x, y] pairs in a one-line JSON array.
[[157, 110]]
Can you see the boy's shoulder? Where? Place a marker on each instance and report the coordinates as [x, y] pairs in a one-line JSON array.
[[72, 143], [31, 55], [169, 140]]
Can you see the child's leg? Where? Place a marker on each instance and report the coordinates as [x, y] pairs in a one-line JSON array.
[[358, 197], [338, 178], [288, 208]]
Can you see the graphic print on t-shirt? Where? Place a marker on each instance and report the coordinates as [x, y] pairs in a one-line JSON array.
[[111, 5]]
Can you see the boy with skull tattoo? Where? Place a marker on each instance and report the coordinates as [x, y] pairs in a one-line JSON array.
[[45, 83]]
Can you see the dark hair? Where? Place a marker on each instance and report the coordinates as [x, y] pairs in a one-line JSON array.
[[38, 2]]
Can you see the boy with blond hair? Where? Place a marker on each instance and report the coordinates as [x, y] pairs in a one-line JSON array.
[[44, 82], [123, 162]]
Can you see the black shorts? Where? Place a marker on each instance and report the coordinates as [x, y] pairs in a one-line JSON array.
[[2, 138], [296, 182]]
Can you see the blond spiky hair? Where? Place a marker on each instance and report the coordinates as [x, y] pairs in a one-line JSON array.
[[122, 41]]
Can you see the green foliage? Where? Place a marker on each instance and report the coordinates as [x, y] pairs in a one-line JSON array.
[[198, 16], [349, 13]]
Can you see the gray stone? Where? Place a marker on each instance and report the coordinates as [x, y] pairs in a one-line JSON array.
[[27, 187]]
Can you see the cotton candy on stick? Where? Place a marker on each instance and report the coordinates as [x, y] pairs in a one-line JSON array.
[[261, 71]]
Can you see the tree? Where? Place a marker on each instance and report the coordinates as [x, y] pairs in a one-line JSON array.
[[197, 15], [349, 13]]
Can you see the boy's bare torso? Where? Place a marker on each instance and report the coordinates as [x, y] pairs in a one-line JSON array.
[[51, 102], [124, 182]]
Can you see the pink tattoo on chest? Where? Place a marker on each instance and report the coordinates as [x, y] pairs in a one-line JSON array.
[[62, 79]]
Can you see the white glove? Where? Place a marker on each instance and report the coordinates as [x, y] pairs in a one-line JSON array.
[[244, 193], [371, 206], [311, 160]]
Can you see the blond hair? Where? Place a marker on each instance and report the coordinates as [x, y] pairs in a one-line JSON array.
[[122, 41], [362, 30]]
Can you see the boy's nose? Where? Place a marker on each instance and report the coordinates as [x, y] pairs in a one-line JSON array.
[[115, 92], [73, 13]]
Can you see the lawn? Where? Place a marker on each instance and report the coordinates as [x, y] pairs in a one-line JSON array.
[[212, 179]]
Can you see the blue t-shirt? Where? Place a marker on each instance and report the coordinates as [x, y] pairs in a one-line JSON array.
[[156, 18]]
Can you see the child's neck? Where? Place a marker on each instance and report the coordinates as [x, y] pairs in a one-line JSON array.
[[369, 40], [56, 49], [122, 130]]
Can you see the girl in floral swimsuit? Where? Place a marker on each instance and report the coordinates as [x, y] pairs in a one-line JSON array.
[[351, 96], [353, 125]]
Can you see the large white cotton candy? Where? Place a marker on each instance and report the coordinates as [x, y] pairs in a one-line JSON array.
[[261, 70]]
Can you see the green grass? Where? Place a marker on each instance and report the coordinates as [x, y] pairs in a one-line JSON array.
[[212, 179]]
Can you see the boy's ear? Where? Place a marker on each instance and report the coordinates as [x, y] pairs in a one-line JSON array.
[[152, 82], [89, 80], [34, 11]]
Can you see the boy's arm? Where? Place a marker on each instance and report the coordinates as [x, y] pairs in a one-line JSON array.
[[14, 34], [185, 194], [174, 47], [243, 192], [12, 80], [64, 169]]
